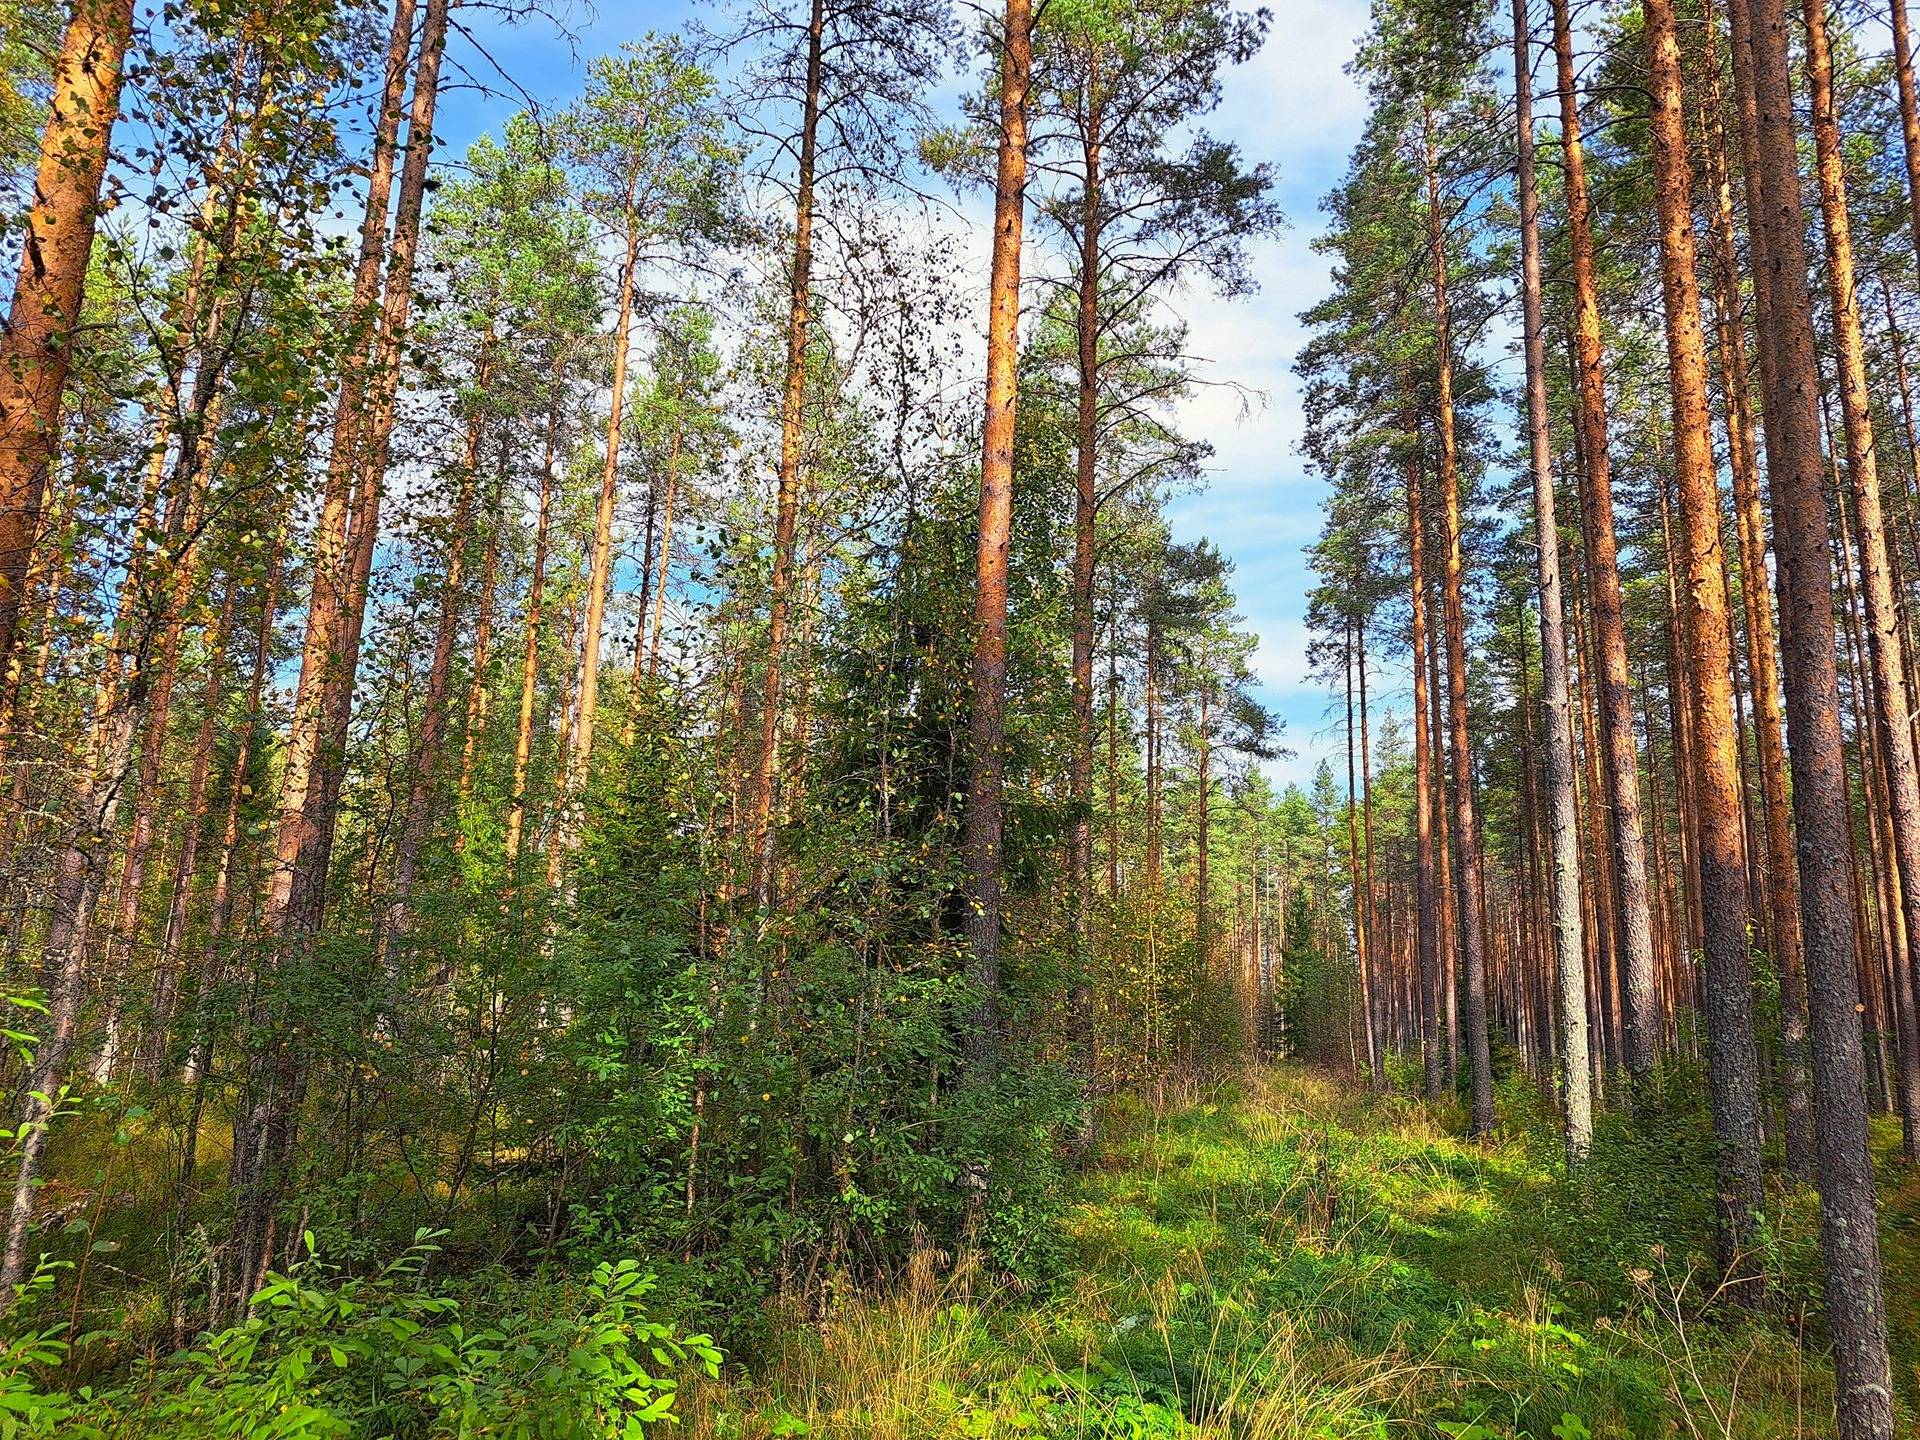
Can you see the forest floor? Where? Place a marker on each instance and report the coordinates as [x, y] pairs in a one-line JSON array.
[[1287, 1256]]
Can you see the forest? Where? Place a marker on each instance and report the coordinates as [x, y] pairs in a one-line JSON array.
[[630, 805]]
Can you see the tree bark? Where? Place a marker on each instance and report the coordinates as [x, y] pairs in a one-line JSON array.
[[1885, 652], [987, 729], [1783, 873], [315, 753], [666, 553], [1426, 883], [1850, 1241], [1371, 991], [1619, 750], [530, 644], [1375, 1071], [425, 765], [1469, 902], [1732, 1061], [36, 344], [1569, 951], [194, 815], [578, 755], [787, 501]]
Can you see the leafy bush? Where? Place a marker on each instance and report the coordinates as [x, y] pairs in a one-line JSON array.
[[385, 1355]]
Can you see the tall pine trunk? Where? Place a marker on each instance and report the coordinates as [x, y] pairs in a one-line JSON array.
[[577, 757], [435, 704], [1469, 906], [36, 344], [531, 622], [787, 500], [1426, 883], [983, 827], [1885, 652], [1763, 668], [1619, 749], [316, 748], [1732, 1062], [1569, 952], [1850, 1241]]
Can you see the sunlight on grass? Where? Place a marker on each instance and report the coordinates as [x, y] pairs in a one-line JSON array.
[[1290, 1259]]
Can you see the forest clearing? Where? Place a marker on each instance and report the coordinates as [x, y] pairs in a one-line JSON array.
[[1288, 1257], [894, 718]]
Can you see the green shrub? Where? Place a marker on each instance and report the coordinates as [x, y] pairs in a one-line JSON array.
[[384, 1354]]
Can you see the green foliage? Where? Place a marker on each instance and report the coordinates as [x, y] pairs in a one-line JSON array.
[[1286, 1258], [386, 1354]]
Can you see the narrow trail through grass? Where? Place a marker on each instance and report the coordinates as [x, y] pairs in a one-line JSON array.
[[1284, 1257]]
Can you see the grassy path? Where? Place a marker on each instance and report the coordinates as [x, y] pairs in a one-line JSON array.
[[1285, 1259]]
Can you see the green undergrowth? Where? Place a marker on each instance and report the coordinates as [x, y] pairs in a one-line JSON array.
[[1289, 1257]]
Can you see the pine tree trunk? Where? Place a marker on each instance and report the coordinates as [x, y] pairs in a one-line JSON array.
[[1156, 857], [1569, 948], [36, 344], [1885, 652], [1732, 1061], [1619, 750], [1203, 868], [194, 818], [315, 752], [987, 730], [578, 755], [1783, 873], [1856, 1310], [1909, 107], [1361, 917], [530, 643], [1371, 992], [787, 501], [478, 691], [1469, 902], [1426, 885]]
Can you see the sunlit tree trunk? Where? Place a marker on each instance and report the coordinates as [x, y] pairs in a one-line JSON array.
[[36, 344], [1372, 976], [478, 689], [987, 731], [531, 623], [193, 812], [1715, 808], [1362, 916], [665, 559], [349, 525], [578, 754], [435, 706]]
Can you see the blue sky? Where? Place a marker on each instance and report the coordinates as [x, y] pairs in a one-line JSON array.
[[1294, 107]]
